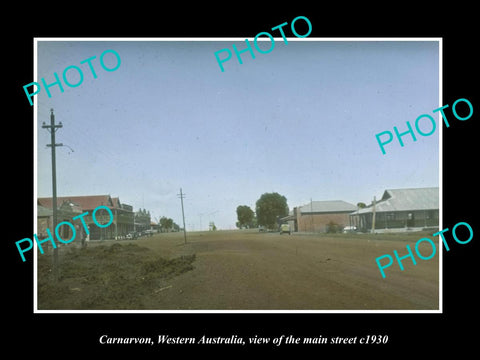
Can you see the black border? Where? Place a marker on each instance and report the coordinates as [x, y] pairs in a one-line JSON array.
[[408, 333]]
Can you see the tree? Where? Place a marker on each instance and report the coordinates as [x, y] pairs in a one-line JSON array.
[[175, 227], [244, 216], [166, 224], [361, 205], [269, 208], [333, 228]]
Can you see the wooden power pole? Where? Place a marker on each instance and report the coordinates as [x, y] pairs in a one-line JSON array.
[[181, 196], [52, 128], [373, 215]]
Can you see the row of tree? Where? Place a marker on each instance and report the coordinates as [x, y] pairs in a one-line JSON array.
[[167, 225], [268, 209]]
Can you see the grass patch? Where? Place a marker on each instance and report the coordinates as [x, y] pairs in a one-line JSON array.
[[105, 277]]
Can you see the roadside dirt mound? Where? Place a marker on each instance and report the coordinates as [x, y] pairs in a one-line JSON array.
[[106, 277]]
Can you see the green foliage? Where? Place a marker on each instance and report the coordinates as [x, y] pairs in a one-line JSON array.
[[269, 208], [333, 228], [166, 224], [211, 226], [245, 216]]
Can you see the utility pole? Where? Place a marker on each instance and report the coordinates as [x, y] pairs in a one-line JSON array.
[[311, 214], [373, 214], [201, 229], [52, 128], [181, 196]]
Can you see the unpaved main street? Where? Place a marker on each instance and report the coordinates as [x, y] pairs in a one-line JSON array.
[[251, 270], [248, 270]]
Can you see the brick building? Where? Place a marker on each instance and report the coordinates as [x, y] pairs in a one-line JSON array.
[[66, 211], [123, 216], [317, 216]]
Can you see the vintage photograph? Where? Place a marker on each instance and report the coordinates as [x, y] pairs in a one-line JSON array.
[[230, 175]]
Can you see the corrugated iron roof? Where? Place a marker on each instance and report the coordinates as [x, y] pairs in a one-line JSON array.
[[406, 200], [330, 206]]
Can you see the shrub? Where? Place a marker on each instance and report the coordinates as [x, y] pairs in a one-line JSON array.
[[333, 228]]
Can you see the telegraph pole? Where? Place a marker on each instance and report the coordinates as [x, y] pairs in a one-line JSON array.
[[201, 229], [373, 214], [52, 128], [311, 214], [181, 196]]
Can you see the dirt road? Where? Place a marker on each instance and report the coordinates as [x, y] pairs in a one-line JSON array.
[[247, 270], [251, 270]]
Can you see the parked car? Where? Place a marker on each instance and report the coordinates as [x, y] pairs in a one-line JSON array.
[[262, 228], [349, 229], [285, 228], [132, 235]]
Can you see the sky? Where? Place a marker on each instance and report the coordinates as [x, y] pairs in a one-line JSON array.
[[300, 120]]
